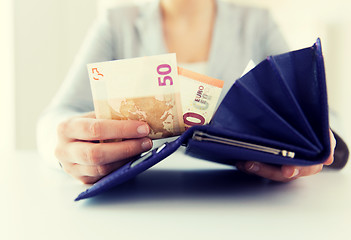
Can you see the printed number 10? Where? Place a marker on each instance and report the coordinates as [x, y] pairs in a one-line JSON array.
[[164, 69]]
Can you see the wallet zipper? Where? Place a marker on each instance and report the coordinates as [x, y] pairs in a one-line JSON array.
[[201, 136]]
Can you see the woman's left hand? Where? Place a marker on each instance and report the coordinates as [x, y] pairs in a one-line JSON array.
[[286, 173]]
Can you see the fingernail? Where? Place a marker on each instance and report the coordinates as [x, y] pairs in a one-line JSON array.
[[253, 167], [295, 173], [143, 129], [146, 144]]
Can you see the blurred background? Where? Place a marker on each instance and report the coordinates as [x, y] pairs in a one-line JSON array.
[[39, 39]]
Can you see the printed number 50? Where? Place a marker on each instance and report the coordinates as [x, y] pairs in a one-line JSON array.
[[164, 69]]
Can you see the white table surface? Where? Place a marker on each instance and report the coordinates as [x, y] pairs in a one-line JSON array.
[[180, 198]]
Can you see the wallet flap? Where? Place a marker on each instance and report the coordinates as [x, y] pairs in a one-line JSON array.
[[269, 87], [136, 166], [303, 71], [283, 99]]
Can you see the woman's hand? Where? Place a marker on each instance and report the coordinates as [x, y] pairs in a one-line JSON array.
[[81, 154], [286, 173]]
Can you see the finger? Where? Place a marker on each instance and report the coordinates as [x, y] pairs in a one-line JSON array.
[[330, 159], [88, 180], [88, 153], [282, 174], [96, 170], [263, 170], [299, 171], [91, 129], [86, 174]]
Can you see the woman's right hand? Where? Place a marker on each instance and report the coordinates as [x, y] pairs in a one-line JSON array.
[[82, 155]]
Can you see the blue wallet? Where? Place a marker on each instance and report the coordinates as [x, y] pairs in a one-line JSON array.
[[277, 113]]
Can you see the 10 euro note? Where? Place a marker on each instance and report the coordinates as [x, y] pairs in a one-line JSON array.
[[199, 96], [145, 89]]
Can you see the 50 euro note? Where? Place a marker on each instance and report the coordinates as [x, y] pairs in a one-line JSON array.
[[145, 89]]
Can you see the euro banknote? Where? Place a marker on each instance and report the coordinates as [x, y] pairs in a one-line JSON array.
[[153, 89], [199, 96]]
